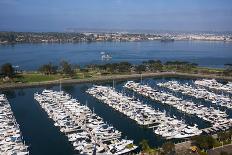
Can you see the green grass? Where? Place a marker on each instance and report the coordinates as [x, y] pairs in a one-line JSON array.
[[129, 146], [202, 153], [83, 75], [35, 77], [29, 77], [203, 70], [217, 144]]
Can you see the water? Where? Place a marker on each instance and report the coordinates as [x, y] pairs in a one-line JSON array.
[[44, 138], [31, 56]]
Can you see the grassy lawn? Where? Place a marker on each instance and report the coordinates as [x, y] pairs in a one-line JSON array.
[[209, 70], [35, 77], [38, 77], [203, 70], [83, 75]]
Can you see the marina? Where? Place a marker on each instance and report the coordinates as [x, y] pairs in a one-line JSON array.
[[214, 116], [85, 130], [143, 114], [213, 84], [46, 133], [200, 93], [11, 140], [115, 77]]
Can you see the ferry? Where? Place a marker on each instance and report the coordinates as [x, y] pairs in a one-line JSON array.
[[105, 56]]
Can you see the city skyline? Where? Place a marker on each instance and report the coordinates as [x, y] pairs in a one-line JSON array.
[[125, 15]]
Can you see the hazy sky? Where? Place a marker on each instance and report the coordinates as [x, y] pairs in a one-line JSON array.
[[58, 15]]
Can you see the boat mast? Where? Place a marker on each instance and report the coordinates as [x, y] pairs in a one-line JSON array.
[[60, 84], [86, 103], [141, 78]]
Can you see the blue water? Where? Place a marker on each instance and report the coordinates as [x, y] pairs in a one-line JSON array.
[[31, 56], [44, 138]]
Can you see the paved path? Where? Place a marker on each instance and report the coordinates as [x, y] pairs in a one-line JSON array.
[[184, 148], [218, 150]]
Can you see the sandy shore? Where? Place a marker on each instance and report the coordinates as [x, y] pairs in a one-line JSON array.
[[110, 78]]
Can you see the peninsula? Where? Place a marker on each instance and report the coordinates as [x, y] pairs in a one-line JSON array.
[[50, 74]]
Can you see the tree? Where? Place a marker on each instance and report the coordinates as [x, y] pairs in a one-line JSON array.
[[223, 136], [144, 145], [228, 70], [230, 133], [7, 70], [140, 68], [181, 65], [66, 68], [48, 69], [112, 68], [153, 65], [156, 66], [211, 141], [147, 149], [124, 67], [204, 142]]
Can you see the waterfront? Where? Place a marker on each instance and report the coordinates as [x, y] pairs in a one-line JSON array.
[[32, 56], [44, 138]]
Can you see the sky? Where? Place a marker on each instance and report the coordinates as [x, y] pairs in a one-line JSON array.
[[157, 15]]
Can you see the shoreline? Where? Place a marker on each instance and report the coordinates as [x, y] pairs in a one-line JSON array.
[[158, 40], [110, 78]]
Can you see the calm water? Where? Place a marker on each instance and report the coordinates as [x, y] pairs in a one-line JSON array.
[[44, 138], [31, 56]]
